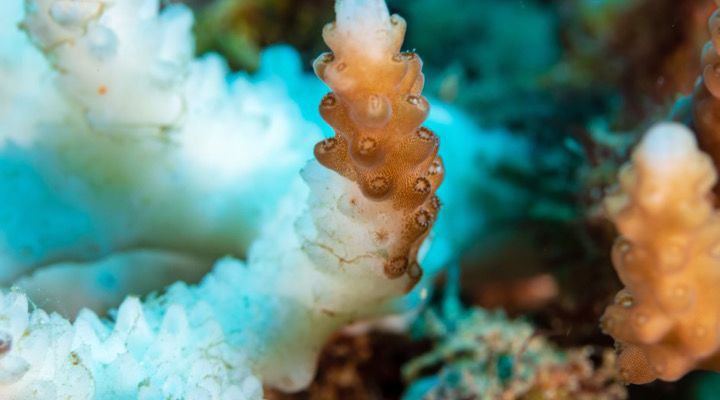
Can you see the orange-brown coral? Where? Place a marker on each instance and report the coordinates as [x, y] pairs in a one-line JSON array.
[[666, 321], [377, 110]]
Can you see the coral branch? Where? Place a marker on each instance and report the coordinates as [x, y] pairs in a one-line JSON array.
[[121, 61], [665, 320], [376, 110], [87, 173]]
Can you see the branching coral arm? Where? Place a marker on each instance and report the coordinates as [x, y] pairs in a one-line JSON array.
[[120, 60], [665, 320], [376, 110]]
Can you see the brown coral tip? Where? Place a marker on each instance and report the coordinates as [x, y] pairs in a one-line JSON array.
[[376, 109]]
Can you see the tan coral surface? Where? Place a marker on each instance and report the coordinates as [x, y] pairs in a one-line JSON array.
[[377, 111], [666, 321]]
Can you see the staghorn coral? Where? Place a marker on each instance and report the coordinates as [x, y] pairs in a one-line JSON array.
[[664, 320], [376, 110]]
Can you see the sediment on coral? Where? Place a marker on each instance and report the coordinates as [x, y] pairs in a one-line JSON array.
[[664, 321]]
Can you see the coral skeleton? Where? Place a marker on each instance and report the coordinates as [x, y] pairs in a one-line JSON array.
[[130, 128], [664, 320]]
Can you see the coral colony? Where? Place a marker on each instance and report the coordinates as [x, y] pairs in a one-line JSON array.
[[134, 129], [164, 236]]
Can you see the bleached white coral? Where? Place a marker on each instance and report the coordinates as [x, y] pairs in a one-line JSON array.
[[165, 356], [89, 176], [665, 145], [365, 26], [271, 315], [108, 53]]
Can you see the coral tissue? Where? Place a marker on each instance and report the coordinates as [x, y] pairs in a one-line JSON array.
[[668, 256], [377, 110]]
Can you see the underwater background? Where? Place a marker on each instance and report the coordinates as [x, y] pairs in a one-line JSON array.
[[537, 104]]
